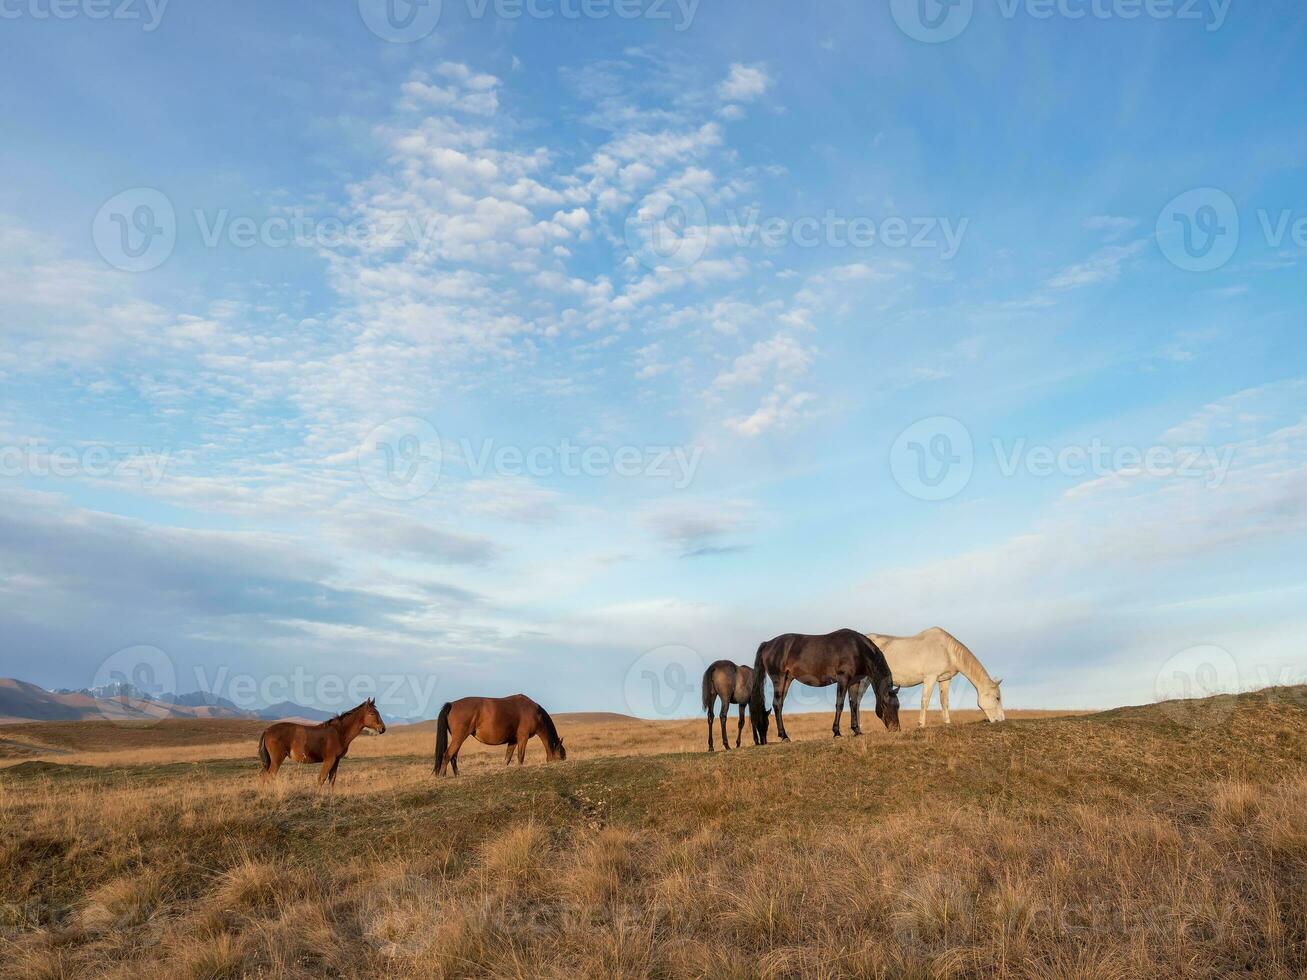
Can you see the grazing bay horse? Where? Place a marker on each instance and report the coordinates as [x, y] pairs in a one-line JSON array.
[[494, 721], [326, 743], [936, 656], [732, 684], [844, 658]]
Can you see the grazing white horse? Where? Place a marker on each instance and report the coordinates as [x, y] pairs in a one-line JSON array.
[[935, 656]]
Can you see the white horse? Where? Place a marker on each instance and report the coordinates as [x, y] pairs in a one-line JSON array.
[[935, 656]]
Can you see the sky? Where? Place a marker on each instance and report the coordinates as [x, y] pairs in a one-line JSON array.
[[486, 346]]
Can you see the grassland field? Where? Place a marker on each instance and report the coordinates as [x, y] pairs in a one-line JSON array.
[[1166, 840]]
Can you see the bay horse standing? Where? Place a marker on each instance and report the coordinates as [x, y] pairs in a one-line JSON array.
[[844, 658], [494, 721], [732, 684], [326, 742]]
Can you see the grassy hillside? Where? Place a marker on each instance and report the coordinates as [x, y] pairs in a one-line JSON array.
[[1167, 840]]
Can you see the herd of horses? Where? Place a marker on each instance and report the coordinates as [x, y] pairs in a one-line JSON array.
[[851, 661]]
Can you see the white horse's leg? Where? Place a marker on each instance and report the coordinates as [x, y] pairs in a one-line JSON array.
[[926, 687], [943, 698]]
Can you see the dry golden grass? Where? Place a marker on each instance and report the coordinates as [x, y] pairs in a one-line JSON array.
[[1125, 844]]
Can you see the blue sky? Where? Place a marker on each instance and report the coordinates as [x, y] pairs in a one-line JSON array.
[[652, 337]]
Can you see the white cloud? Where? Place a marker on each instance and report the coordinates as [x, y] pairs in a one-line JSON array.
[[744, 83]]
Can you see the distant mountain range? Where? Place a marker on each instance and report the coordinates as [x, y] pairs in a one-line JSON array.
[[21, 701]]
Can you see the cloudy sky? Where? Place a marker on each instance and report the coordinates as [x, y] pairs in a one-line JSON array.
[[476, 347]]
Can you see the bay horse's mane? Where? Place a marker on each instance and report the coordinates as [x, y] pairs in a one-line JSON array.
[[550, 730], [342, 715]]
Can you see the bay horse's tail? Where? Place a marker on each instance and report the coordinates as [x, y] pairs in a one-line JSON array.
[[263, 752], [442, 734]]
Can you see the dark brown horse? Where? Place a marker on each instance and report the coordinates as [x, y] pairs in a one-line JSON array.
[[843, 658], [732, 684], [494, 721], [326, 743]]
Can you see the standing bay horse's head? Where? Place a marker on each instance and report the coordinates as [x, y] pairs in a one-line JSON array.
[[887, 703], [990, 699], [556, 753], [372, 717]]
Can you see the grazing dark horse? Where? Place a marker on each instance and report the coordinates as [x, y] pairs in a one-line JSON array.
[[843, 658], [326, 743], [733, 685], [494, 721]]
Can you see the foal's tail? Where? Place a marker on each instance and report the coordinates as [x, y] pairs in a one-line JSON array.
[[263, 752], [442, 735], [708, 692]]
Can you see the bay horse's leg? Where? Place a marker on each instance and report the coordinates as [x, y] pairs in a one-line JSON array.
[[840, 689], [455, 743], [943, 698], [779, 687], [521, 749], [712, 702], [726, 710], [927, 686], [331, 776], [508, 756], [739, 728]]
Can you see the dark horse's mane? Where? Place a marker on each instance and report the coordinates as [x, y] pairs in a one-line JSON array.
[[550, 731]]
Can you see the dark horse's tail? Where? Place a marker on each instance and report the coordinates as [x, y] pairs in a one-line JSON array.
[[263, 752], [757, 693], [442, 734]]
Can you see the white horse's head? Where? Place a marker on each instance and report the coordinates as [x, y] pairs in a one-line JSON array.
[[991, 700]]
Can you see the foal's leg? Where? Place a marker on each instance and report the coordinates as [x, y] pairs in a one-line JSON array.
[[943, 698], [331, 776], [840, 689], [327, 771], [726, 710], [739, 728], [927, 686]]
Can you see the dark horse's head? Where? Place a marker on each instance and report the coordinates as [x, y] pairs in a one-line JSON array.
[[372, 717], [887, 703]]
